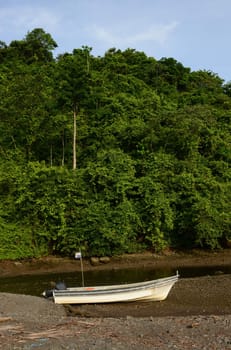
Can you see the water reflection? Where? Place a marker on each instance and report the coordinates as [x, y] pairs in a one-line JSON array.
[[35, 284]]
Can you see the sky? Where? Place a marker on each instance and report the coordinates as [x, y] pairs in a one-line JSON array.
[[196, 33]]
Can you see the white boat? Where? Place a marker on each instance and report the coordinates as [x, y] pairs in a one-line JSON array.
[[154, 290]]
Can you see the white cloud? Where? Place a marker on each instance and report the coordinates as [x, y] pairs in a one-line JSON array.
[[158, 33], [19, 18]]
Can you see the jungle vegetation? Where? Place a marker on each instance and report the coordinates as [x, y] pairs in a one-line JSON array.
[[114, 154]]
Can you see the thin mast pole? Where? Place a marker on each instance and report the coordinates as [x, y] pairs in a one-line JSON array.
[[81, 263]]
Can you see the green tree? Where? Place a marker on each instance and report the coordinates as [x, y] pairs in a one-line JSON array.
[[26, 95], [37, 46], [73, 75]]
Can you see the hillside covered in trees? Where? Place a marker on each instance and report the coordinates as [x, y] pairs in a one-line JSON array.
[[112, 154]]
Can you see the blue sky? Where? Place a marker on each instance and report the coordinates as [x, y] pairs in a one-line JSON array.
[[194, 32]]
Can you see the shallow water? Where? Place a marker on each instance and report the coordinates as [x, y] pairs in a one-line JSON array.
[[36, 284]]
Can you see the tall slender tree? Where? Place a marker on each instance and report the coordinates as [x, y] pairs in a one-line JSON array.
[[73, 77]]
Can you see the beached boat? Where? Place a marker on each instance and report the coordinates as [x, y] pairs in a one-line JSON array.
[[154, 290]]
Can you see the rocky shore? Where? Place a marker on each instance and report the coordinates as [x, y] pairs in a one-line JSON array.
[[196, 315]]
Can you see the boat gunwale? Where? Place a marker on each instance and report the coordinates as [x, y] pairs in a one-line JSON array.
[[126, 288]]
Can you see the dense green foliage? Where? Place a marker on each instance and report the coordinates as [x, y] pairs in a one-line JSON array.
[[110, 154]]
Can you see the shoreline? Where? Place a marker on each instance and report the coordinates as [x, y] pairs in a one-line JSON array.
[[189, 296], [170, 259], [196, 313], [29, 322]]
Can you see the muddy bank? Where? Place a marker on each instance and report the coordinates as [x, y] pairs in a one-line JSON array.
[[172, 259], [196, 315], [190, 296], [201, 333]]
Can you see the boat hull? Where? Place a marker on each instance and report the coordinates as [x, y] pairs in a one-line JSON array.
[[155, 290]]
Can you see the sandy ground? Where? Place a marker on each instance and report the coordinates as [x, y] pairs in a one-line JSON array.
[[196, 314]]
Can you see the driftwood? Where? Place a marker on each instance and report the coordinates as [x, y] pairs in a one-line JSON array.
[[51, 333], [10, 327], [58, 331], [5, 319]]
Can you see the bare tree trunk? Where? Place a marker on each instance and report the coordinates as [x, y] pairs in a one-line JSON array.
[[51, 155], [63, 148], [74, 137]]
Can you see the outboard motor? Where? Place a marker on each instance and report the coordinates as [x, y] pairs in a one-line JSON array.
[[60, 286], [48, 293], [57, 286]]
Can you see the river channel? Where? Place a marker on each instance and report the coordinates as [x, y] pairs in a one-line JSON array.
[[36, 284]]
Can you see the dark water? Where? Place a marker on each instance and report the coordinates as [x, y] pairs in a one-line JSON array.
[[36, 284]]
